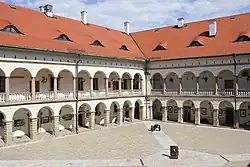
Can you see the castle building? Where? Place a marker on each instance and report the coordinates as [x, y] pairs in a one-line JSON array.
[[63, 75]]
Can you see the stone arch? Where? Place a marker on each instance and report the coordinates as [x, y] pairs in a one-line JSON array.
[[137, 84], [84, 115], [188, 111], [157, 109], [126, 81], [2, 88], [114, 80], [138, 109], [45, 120], [244, 115], [172, 81], [225, 80], [114, 109], [172, 110], [157, 81], [226, 113], [21, 122], [66, 118], [207, 81], [126, 108], [84, 81], [65, 83], [188, 81], [206, 112], [45, 78], [244, 80], [100, 75], [100, 113], [2, 126]]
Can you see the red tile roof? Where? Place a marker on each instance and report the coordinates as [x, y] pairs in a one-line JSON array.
[[40, 32]]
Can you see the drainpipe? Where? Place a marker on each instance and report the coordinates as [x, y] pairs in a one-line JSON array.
[[76, 87], [236, 114]]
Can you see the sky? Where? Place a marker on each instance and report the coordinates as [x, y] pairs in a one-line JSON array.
[[142, 14]]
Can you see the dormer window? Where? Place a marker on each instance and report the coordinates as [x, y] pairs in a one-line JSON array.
[[97, 43], [243, 38], [63, 37], [11, 29], [124, 47], [161, 46], [195, 44]]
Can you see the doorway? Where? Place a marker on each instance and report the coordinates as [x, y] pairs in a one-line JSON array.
[[137, 110], [229, 116], [187, 114]]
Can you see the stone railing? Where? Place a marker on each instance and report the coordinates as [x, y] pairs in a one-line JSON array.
[[126, 92], [188, 92], [65, 95], [226, 92], [206, 92], [244, 92], [2, 97], [44, 95], [83, 94], [113, 93], [17, 97], [172, 91], [99, 93], [157, 91]]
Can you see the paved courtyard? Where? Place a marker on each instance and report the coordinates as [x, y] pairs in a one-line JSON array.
[[134, 145]]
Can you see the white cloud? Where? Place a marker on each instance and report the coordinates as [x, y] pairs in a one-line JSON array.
[[142, 14]]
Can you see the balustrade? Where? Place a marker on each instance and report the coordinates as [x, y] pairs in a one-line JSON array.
[[188, 92], [226, 92], [172, 91], [2, 97], [65, 95], [243, 92], [206, 92], [44, 96], [25, 96]]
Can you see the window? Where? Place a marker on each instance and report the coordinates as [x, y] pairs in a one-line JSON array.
[[195, 44], [243, 38], [11, 29], [80, 83], [63, 37], [159, 47], [123, 47], [95, 84], [97, 43], [2, 84]]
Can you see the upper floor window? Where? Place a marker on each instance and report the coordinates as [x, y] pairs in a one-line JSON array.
[[97, 43], [63, 37], [124, 47], [243, 38], [161, 46], [195, 44], [11, 29]]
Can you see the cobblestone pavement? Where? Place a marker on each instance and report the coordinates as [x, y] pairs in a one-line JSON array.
[[208, 139], [121, 142]]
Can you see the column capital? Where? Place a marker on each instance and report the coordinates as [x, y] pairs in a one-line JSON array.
[[106, 78], [91, 111]]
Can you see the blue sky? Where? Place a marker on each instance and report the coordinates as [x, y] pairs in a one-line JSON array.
[[142, 14]]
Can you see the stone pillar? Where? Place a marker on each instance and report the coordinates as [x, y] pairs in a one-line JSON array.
[[164, 114], [7, 88], [119, 116], [74, 123], [236, 88], [216, 86], [142, 113], [107, 118], [141, 88], [91, 86], [197, 116], [8, 137], [92, 120], [106, 86], [197, 85], [33, 88], [33, 128], [216, 117], [120, 86], [150, 113], [164, 87], [74, 87], [236, 119], [180, 115], [180, 86], [132, 83], [56, 126], [131, 114], [55, 87]]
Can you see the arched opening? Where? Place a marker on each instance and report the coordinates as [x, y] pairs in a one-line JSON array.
[[66, 118], [45, 120], [225, 80], [2, 129], [188, 83], [206, 112], [84, 116], [20, 85], [114, 112], [157, 110], [84, 83], [226, 113], [126, 110], [206, 83], [21, 124], [126, 81], [243, 82], [113, 83], [100, 113], [172, 82], [244, 115], [99, 82], [137, 110], [2, 85], [172, 109], [188, 111], [158, 83], [65, 85], [137, 82]]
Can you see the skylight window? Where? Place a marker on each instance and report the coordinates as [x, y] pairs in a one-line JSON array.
[[124, 47], [63, 37], [11, 29], [161, 46], [243, 38], [195, 44], [97, 43]]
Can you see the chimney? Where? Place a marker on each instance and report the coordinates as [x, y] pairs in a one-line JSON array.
[[48, 9], [180, 22], [84, 17], [126, 27], [212, 28], [41, 8]]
